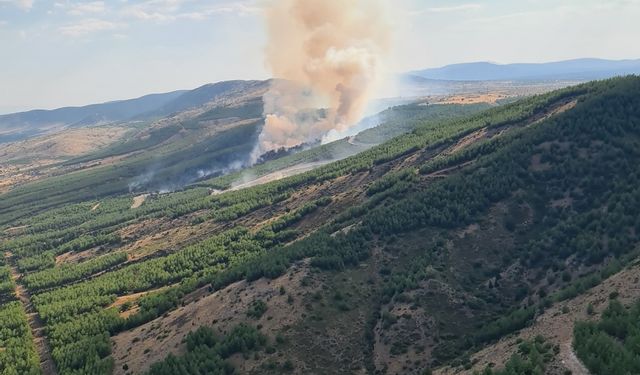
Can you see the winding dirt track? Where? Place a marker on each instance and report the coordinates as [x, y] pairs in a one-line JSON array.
[[35, 323], [277, 175]]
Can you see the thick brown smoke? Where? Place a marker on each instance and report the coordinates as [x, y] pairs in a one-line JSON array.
[[323, 54]]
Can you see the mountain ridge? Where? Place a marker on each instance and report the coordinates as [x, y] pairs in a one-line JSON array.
[[23, 125], [118, 109], [162, 104], [578, 69]]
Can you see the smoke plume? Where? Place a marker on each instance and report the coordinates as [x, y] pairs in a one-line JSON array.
[[324, 54]]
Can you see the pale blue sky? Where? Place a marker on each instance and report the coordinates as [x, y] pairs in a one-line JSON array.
[[74, 52]]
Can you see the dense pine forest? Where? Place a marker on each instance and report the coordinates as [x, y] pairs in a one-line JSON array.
[[421, 250], [611, 345]]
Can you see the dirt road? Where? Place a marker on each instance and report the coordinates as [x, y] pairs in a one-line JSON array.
[[35, 323], [571, 361]]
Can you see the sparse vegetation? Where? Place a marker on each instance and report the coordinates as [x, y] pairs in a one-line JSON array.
[[206, 353], [257, 309], [531, 359]]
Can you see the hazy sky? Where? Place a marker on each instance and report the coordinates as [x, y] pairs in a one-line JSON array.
[[73, 52]]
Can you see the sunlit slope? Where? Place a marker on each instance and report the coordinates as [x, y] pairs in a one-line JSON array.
[[174, 152], [164, 154], [410, 255]]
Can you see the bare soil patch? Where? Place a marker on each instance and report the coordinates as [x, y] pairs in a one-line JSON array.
[[61, 145], [274, 176], [222, 310], [491, 98], [556, 325], [47, 365], [130, 298], [558, 110], [16, 230], [32, 159], [13, 175], [467, 141], [138, 201]]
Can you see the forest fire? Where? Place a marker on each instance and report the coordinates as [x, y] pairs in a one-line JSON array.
[[323, 54]]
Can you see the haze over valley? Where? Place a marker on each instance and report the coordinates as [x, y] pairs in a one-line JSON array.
[[346, 195]]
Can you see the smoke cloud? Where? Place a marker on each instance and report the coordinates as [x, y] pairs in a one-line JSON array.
[[327, 57]]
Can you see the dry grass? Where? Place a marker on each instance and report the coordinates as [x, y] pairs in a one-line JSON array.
[[556, 325], [13, 175], [222, 310], [277, 175], [62, 145], [491, 98], [138, 201], [29, 160], [72, 257]]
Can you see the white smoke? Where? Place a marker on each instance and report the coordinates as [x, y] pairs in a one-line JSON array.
[[325, 55]]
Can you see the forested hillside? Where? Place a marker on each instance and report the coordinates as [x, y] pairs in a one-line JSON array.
[[611, 346], [402, 259]]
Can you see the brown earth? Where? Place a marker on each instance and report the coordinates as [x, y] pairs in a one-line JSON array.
[[72, 257], [491, 98], [47, 364], [32, 159], [467, 141], [62, 145], [222, 310], [132, 299], [138, 201], [556, 325], [12, 175], [249, 181], [16, 230]]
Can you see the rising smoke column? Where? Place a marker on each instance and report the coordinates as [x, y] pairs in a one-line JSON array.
[[323, 54]]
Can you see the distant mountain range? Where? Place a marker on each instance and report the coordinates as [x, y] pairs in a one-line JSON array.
[[438, 81], [90, 114], [580, 69], [18, 126]]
